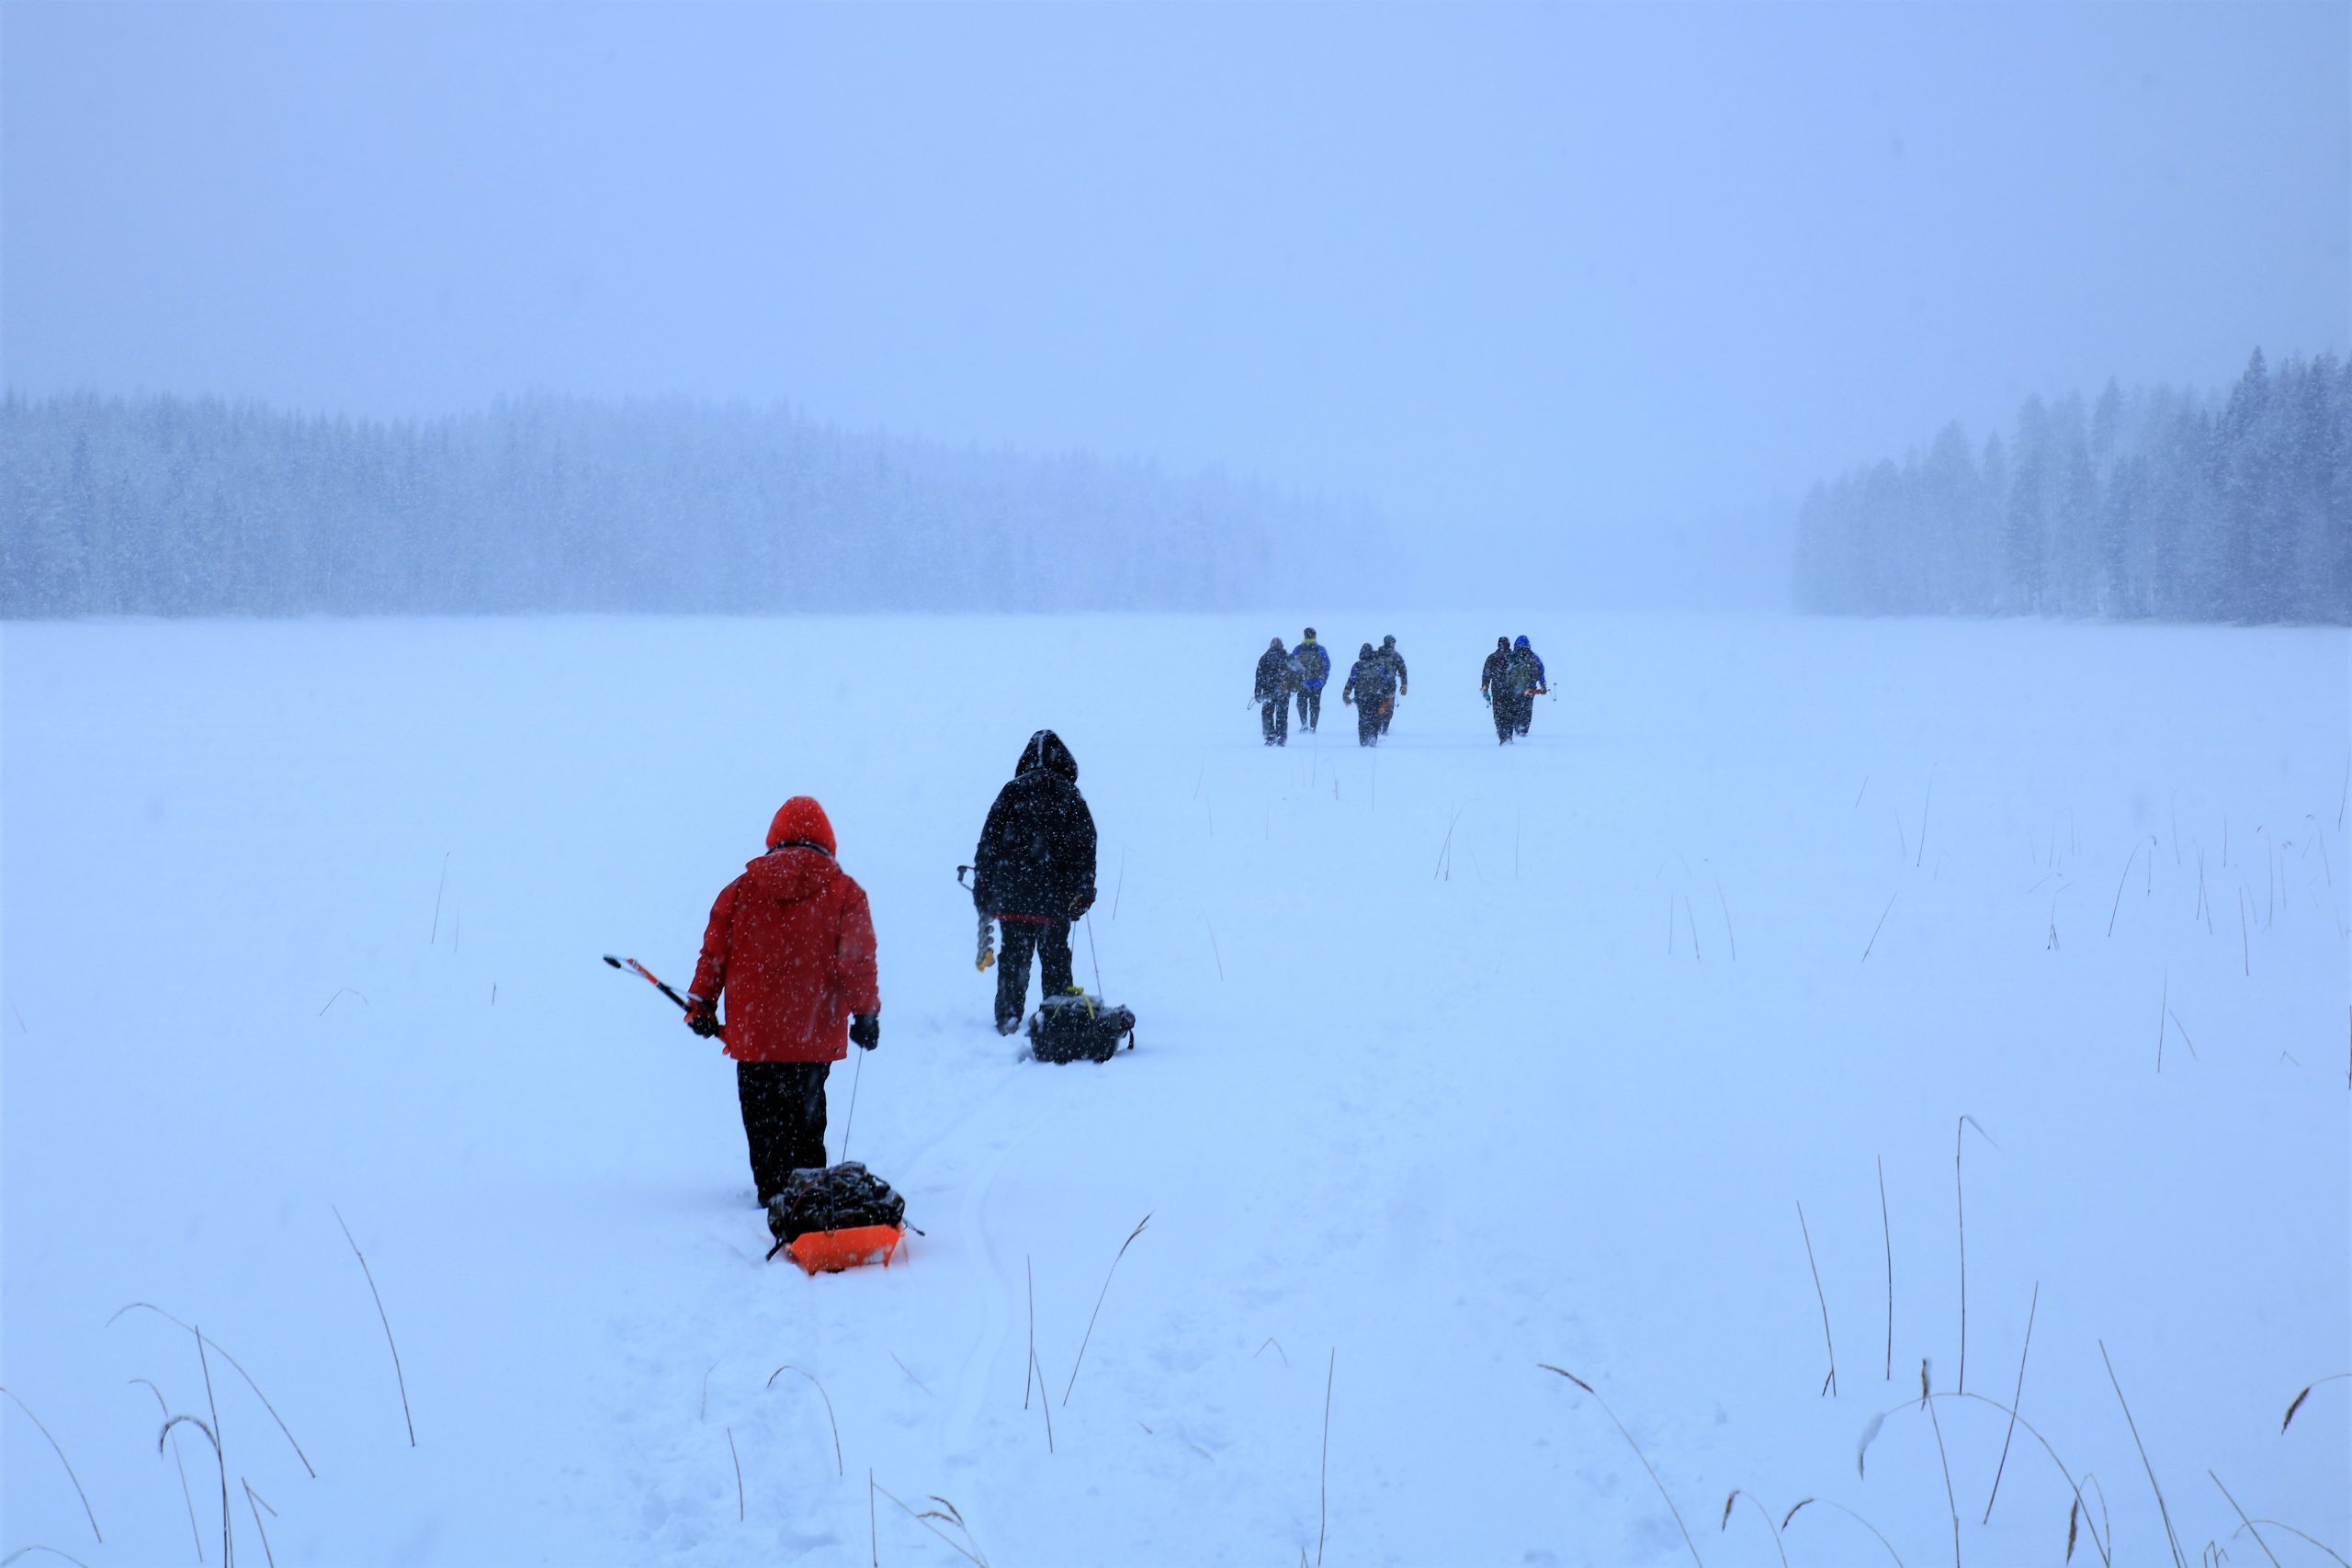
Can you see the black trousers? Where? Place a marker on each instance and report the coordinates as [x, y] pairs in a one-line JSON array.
[[1274, 718], [1506, 720], [1310, 708], [1388, 715], [1526, 713], [1367, 725], [784, 1119], [1049, 940]]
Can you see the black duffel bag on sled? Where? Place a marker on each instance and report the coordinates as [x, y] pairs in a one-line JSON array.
[[1079, 1028]]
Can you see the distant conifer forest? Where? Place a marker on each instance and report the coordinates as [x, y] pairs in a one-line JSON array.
[[2143, 505], [179, 506]]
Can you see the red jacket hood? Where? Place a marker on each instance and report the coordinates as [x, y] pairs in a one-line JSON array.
[[792, 875]]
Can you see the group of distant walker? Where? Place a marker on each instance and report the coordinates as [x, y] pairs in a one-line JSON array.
[[1513, 678]]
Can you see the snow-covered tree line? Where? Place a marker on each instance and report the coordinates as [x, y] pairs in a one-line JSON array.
[[169, 505], [2146, 504]]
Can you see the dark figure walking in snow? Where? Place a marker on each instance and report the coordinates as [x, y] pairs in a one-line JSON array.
[[1034, 873], [1315, 673], [790, 949], [1522, 682], [1490, 686], [1277, 678], [1395, 663], [1372, 687]]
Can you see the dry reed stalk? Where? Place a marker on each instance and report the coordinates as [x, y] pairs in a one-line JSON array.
[[1735, 1495], [2097, 1541], [1088, 1335], [1830, 1383], [1729, 935], [2297, 1404], [2164, 1512], [1323, 1481], [228, 1543], [1943, 1456], [37, 1546], [1882, 923], [212, 1438], [1923, 814], [1860, 793], [2117, 907], [2291, 1530], [2246, 1523], [966, 1549], [1886, 1229], [256, 1502], [187, 1494], [1662, 1491], [2184, 1035], [836, 1425], [2163, 1005], [380, 1313], [2014, 1400], [738, 1458], [236, 1366], [1215, 951], [61, 1460], [1960, 1192], [1850, 1513], [437, 889], [2246, 953]]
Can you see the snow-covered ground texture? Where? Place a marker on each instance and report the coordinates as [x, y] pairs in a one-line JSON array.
[[1454, 1060]]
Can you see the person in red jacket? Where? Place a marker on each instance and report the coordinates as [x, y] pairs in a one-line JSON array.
[[790, 948]]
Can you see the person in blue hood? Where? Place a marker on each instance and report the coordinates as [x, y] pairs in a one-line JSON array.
[[1314, 674]]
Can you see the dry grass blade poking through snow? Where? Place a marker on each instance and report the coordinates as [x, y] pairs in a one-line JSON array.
[[2297, 1403], [2246, 1523], [23, 1550], [2162, 1511], [1735, 1495], [1087, 1337], [1323, 1485], [63, 1460], [2014, 1400], [235, 1366], [828, 1398], [1803, 1502], [1830, 1383], [968, 1549], [1960, 1191], [386, 1316], [1662, 1491], [2098, 1540], [257, 1503], [188, 1494]]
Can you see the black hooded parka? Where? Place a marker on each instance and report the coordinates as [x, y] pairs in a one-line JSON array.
[[1036, 853]]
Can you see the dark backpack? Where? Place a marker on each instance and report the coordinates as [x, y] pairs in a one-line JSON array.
[[1518, 676], [838, 1198], [1375, 681], [1077, 1027]]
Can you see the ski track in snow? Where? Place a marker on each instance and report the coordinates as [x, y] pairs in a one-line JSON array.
[[1447, 1066]]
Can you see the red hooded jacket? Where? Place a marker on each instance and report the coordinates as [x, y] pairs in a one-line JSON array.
[[791, 946]]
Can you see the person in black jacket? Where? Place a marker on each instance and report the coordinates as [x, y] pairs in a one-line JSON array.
[[1034, 873], [1277, 677], [1372, 687], [1395, 663], [1490, 686]]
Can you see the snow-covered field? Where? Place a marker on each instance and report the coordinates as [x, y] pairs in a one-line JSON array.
[[1454, 1060]]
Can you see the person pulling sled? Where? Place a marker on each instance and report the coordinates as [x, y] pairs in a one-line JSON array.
[[790, 952], [1033, 874]]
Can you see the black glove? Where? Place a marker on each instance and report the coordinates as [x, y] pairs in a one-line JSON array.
[[702, 1016], [866, 1030]]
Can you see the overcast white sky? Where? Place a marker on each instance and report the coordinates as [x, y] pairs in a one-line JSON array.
[[1528, 269]]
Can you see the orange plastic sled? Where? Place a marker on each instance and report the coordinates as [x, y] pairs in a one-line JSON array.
[[830, 1252]]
